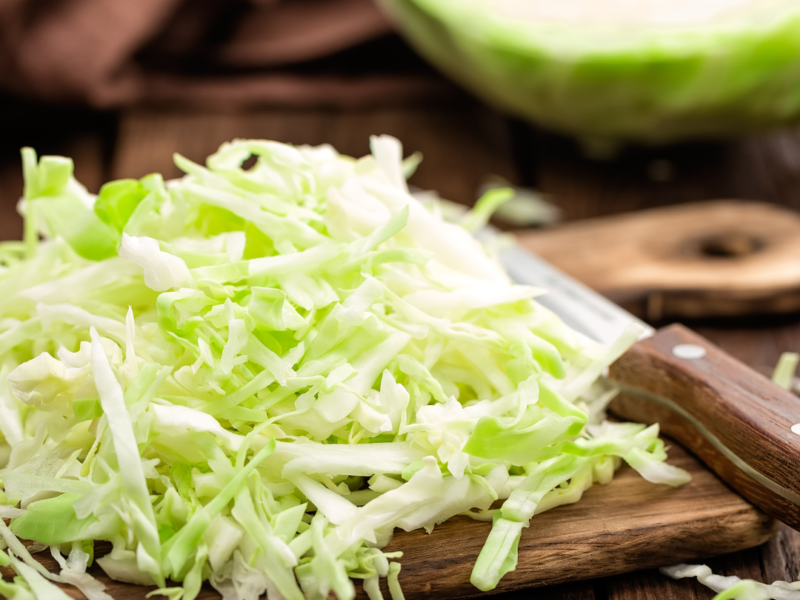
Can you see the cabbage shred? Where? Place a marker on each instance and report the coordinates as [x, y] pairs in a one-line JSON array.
[[253, 377]]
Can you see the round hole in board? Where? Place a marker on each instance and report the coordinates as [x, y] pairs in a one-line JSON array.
[[689, 351], [796, 428], [729, 245]]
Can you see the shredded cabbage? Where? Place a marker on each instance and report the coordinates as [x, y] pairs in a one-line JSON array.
[[253, 377]]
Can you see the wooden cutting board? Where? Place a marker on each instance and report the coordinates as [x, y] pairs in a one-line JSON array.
[[704, 259], [627, 525]]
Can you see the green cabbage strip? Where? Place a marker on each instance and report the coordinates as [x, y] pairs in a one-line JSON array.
[[253, 377], [784, 370]]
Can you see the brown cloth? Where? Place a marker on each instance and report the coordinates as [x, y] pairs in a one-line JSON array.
[[212, 53]]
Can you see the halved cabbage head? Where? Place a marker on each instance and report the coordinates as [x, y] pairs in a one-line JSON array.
[[645, 70]]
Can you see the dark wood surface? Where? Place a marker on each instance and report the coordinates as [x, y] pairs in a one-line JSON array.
[[462, 143], [743, 415]]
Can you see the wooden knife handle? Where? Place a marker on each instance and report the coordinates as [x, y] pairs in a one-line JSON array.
[[734, 419]]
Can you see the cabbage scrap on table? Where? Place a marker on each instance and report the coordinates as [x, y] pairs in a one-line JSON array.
[[253, 377]]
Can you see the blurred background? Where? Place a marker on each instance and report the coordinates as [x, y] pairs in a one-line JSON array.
[[120, 86], [588, 111]]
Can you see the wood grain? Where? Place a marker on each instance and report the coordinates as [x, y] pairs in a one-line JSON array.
[[625, 526], [720, 258], [748, 415]]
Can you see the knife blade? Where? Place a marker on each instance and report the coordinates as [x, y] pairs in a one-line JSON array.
[[580, 307], [738, 422]]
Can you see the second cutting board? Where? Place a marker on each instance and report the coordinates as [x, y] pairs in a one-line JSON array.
[[708, 259]]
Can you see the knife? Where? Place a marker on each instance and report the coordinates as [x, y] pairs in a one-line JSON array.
[[737, 421]]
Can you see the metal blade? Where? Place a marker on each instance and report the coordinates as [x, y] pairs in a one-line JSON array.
[[580, 307]]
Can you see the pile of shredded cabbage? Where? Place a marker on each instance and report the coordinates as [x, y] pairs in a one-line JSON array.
[[252, 377]]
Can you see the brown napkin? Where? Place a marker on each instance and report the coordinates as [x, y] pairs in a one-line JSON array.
[[213, 53]]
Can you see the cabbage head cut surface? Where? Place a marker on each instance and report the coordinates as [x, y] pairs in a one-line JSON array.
[[650, 71], [254, 377]]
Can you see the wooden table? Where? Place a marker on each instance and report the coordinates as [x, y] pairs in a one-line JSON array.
[[463, 143]]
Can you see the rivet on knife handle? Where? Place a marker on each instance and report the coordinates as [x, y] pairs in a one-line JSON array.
[[733, 418]]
